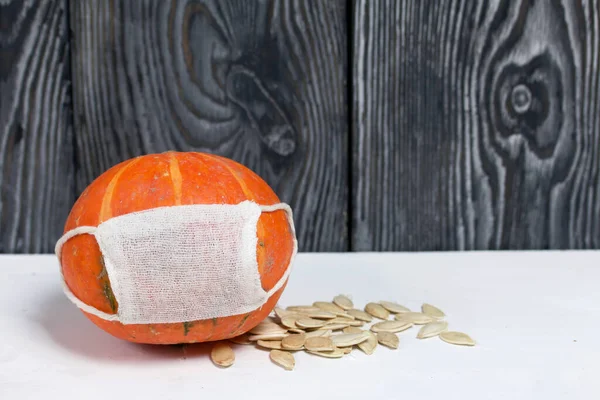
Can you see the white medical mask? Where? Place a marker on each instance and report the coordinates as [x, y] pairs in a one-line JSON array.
[[182, 263]]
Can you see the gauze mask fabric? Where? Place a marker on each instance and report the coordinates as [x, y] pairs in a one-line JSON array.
[[182, 263]]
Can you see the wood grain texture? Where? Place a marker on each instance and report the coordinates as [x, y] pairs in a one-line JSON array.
[[36, 152], [261, 82], [476, 125]]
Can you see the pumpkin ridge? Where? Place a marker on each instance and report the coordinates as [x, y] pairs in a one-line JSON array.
[[105, 208], [175, 173], [242, 184]]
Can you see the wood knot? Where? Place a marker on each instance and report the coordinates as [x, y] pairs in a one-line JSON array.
[[521, 99], [527, 100]]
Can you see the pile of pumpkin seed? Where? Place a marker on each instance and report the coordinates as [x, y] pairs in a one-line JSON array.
[[334, 329]]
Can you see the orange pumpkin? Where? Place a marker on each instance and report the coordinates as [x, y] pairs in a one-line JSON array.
[[167, 179]]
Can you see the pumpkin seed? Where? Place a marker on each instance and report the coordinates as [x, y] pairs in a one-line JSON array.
[[394, 307], [289, 321], [352, 329], [345, 317], [321, 314], [391, 326], [269, 344], [302, 309], [432, 311], [267, 327], [295, 330], [283, 359], [369, 345], [222, 355], [349, 339], [458, 338], [432, 329], [377, 310], [344, 320], [348, 350], [293, 342], [388, 339], [336, 353], [267, 336], [242, 339], [310, 323], [330, 307], [416, 318], [319, 344], [343, 302], [335, 326], [281, 313], [360, 315], [319, 333]]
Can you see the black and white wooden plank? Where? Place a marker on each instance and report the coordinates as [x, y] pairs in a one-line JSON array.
[[36, 143], [261, 82], [476, 125]]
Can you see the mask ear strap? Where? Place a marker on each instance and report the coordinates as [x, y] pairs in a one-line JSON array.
[[81, 230], [290, 218], [58, 251]]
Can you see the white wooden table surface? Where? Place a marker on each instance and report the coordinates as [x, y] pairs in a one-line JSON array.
[[534, 315]]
